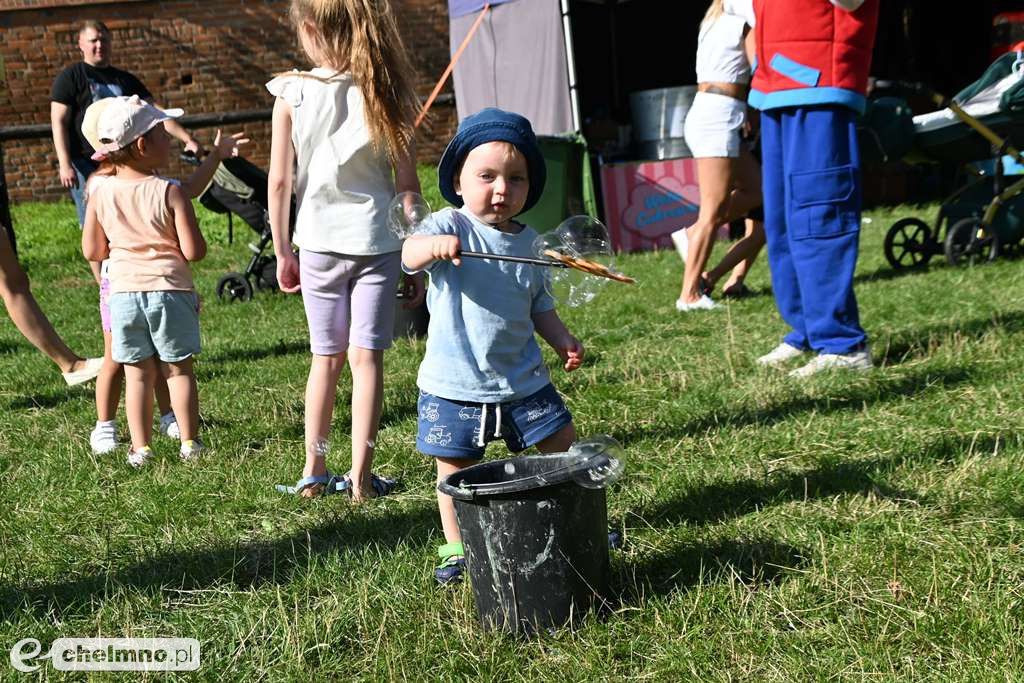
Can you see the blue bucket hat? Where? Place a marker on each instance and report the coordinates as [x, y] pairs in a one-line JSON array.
[[491, 125]]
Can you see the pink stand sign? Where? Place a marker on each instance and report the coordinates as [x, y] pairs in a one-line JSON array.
[[644, 201]]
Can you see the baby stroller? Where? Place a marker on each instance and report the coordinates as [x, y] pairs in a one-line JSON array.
[[239, 187], [984, 217]]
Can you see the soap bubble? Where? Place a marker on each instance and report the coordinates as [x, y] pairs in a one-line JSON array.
[[577, 237], [602, 461], [405, 213]]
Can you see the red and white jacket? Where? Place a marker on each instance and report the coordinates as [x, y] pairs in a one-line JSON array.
[[812, 52]]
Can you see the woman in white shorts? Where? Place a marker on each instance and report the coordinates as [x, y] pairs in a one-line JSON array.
[[727, 173]]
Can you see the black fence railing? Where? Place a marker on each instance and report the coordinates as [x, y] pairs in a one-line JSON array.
[[39, 131]]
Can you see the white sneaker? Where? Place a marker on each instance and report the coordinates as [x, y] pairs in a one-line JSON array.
[[704, 303], [855, 360], [89, 370], [779, 355], [682, 243], [103, 438], [190, 450], [169, 426], [140, 457]]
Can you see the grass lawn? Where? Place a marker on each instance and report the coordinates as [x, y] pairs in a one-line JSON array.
[[854, 527]]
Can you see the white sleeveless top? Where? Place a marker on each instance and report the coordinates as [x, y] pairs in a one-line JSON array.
[[343, 185], [720, 55]]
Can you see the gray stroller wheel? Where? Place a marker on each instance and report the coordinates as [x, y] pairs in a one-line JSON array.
[[967, 243], [909, 244], [234, 287]]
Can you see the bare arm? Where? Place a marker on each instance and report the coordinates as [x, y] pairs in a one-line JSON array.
[[190, 240], [406, 179], [223, 148], [189, 142], [552, 330], [95, 246], [60, 119], [280, 182], [419, 251], [750, 47]]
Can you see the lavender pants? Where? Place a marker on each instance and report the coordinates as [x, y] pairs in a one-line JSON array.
[[349, 299]]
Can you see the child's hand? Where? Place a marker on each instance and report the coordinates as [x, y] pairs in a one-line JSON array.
[[288, 272], [226, 148], [414, 290], [445, 248], [572, 352]]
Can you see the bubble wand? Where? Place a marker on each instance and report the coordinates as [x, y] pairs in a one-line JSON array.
[[408, 210]]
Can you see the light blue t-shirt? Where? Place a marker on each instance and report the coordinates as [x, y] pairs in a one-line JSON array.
[[480, 344]]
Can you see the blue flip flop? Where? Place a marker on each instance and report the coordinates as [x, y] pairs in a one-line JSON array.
[[332, 484], [382, 486]]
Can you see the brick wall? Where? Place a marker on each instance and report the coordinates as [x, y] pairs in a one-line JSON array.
[[204, 56]]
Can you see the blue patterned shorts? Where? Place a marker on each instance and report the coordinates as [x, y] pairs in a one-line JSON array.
[[462, 429]]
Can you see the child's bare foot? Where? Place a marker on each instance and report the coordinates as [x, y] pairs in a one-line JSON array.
[[316, 466], [372, 486]]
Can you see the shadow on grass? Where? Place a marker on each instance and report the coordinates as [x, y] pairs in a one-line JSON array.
[[725, 500], [752, 562], [246, 353], [239, 566], [908, 342], [762, 561], [851, 397], [52, 399], [885, 273]]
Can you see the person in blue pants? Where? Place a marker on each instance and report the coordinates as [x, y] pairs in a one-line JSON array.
[[810, 88]]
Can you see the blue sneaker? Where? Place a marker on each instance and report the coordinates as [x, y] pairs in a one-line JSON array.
[[453, 563]]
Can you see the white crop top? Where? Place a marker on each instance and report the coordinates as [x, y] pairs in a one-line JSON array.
[[343, 184], [720, 54]]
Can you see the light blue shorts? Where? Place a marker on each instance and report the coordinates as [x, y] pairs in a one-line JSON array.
[[162, 324]]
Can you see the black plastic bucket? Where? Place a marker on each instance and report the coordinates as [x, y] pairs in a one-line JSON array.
[[536, 542]]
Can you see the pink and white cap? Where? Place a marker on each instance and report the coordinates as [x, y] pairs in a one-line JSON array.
[[113, 123]]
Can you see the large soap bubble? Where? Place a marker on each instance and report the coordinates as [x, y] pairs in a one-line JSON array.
[[580, 237], [602, 461], [405, 213]]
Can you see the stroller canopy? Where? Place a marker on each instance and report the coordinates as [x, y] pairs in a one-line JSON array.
[[996, 99]]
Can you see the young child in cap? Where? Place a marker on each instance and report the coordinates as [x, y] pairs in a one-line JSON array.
[[483, 376], [110, 380], [147, 228]]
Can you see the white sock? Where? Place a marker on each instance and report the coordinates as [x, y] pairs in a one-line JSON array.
[[167, 416], [108, 423]]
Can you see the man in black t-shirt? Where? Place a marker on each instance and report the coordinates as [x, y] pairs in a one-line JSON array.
[[78, 86]]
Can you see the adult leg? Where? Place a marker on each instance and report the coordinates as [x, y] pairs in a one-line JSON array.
[[26, 314], [714, 181], [184, 396], [780, 260], [83, 169], [823, 217], [367, 398], [138, 400], [740, 257]]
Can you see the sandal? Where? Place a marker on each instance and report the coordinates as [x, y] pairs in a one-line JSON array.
[[704, 286], [739, 291], [453, 563], [381, 486], [331, 484]]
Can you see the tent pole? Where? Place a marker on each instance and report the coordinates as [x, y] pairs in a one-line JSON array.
[[570, 62]]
